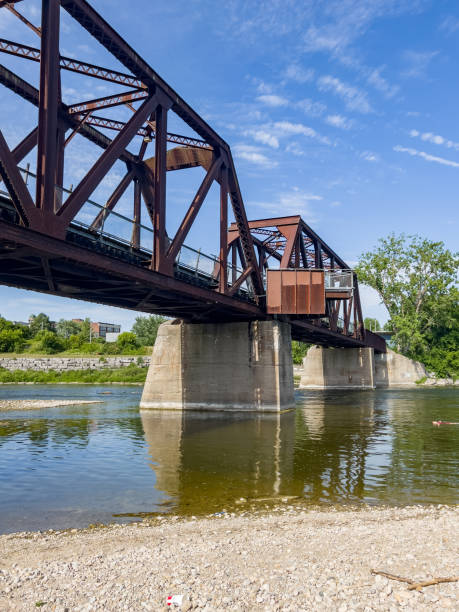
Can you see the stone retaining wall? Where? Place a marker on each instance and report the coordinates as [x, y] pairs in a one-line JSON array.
[[61, 364]]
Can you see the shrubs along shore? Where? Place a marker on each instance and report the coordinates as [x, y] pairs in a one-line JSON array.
[[131, 374]]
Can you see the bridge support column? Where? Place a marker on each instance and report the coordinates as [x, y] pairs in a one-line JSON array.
[[339, 368], [221, 366]]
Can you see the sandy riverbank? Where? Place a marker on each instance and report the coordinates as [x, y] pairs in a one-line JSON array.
[[6, 405], [289, 559]]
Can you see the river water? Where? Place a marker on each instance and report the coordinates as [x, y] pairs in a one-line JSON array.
[[82, 464]]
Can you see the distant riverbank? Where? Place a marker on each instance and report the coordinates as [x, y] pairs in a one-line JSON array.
[[132, 374], [289, 559]]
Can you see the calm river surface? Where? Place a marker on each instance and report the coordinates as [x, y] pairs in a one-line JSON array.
[[82, 464]]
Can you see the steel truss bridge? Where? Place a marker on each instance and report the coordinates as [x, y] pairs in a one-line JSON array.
[[47, 244]]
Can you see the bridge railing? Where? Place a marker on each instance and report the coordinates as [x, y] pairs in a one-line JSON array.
[[339, 280], [115, 227]]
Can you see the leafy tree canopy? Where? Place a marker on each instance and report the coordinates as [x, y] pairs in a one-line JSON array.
[[416, 281], [146, 329], [39, 322], [67, 328]]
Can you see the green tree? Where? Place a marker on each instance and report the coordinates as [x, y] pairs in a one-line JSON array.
[[371, 324], [415, 279], [49, 342], [299, 350], [11, 340], [146, 328], [39, 322], [127, 341], [67, 328]]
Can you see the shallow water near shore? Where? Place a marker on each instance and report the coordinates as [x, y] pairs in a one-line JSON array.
[[75, 465]]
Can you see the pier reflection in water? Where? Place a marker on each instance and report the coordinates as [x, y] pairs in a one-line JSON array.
[[71, 466]]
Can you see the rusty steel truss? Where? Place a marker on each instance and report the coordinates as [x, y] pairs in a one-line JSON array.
[[42, 247]]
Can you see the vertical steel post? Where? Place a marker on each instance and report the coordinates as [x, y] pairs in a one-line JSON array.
[[233, 262], [135, 239], [160, 247], [223, 255], [47, 156]]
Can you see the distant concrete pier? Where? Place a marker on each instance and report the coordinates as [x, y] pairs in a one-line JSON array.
[[357, 368], [221, 366]]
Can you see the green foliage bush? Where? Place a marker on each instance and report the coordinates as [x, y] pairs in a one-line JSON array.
[[299, 350], [11, 340], [49, 342]]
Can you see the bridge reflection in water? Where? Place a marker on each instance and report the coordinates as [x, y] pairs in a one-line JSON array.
[[232, 459], [73, 466]]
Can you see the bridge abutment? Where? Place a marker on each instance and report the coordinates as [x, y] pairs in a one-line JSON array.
[[328, 368], [221, 366]]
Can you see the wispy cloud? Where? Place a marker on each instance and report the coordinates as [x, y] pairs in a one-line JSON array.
[[435, 139], [294, 148], [286, 128], [293, 202], [335, 25], [355, 99], [339, 121], [375, 79], [417, 63], [297, 73], [311, 108], [252, 154], [272, 100], [263, 137], [370, 156], [449, 25], [426, 156]]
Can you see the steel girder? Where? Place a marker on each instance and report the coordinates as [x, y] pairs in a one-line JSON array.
[[53, 216]]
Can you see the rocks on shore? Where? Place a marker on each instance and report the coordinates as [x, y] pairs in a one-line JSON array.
[[6, 405], [290, 559]]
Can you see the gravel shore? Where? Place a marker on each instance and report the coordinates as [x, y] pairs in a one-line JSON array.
[[290, 558], [6, 405]]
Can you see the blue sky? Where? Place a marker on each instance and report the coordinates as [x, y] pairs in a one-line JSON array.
[[344, 111]]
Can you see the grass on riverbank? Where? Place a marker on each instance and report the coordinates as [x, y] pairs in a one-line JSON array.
[[130, 374], [76, 355]]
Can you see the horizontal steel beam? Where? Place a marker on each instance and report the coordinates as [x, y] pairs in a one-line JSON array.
[[72, 64], [29, 93]]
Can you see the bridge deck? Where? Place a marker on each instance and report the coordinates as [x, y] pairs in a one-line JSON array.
[[111, 275]]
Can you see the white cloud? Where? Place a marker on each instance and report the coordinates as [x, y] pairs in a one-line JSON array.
[[435, 139], [297, 73], [417, 63], [252, 154], [264, 137], [339, 121], [426, 156], [286, 128], [381, 84], [295, 149], [449, 25], [293, 202], [272, 100], [311, 108], [370, 156], [355, 99], [335, 204]]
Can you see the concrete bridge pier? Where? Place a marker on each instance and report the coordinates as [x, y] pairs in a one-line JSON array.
[[221, 366], [339, 368]]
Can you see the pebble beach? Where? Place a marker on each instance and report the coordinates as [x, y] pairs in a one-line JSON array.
[[288, 558]]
